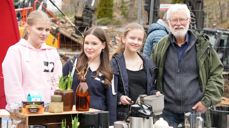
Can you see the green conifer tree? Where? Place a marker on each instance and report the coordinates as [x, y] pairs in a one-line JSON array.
[[177, 1], [105, 9]]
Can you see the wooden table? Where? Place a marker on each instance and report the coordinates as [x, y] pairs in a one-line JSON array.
[[52, 120], [4, 113]]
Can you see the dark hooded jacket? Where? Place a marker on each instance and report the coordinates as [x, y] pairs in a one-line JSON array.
[[101, 97], [120, 74]]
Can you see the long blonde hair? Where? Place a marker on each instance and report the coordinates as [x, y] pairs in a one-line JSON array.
[[131, 26]]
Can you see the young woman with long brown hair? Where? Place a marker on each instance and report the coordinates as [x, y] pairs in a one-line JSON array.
[[93, 66]]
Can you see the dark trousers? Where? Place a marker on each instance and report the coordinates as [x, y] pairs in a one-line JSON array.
[[173, 119]]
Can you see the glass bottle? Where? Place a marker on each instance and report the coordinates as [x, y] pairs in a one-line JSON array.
[[187, 123], [199, 121], [82, 97]]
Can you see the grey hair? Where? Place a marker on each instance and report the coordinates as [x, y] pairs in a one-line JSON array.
[[176, 8]]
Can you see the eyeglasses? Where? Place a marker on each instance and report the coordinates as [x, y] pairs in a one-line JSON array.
[[181, 20]]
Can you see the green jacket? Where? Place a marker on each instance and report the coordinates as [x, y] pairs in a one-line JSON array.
[[210, 68]]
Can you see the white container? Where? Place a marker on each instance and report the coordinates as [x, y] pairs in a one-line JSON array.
[[161, 123], [120, 124], [157, 103], [6, 122], [139, 122]]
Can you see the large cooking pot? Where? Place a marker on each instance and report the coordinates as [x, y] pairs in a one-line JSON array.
[[89, 120], [220, 116]]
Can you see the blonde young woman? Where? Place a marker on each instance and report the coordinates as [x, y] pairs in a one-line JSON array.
[[133, 73], [30, 66]]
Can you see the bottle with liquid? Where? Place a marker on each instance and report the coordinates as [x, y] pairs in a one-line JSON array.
[[187, 123], [199, 121], [82, 97]]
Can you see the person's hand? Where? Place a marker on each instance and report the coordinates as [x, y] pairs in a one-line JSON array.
[[200, 107], [125, 100], [158, 93]]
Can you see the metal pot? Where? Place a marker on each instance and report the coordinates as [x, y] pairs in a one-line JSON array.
[[220, 116]]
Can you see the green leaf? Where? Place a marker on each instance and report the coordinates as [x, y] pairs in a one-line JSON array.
[[65, 82], [61, 82], [69, 82], [75, 122], [63, 123]]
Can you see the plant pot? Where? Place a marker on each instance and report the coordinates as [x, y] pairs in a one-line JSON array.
[[67, 98], [89, 120]]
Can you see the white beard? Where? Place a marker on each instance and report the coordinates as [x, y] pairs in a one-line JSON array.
[[179, 33]]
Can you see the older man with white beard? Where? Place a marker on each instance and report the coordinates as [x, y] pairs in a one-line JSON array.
[[189, 70]]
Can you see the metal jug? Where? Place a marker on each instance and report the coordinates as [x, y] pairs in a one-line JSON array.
[[193, 120], [141, 116], [140, 122]]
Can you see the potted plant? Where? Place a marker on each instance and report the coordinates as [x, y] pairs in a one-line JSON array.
[[65, 90], [74, 123], [63, 124]]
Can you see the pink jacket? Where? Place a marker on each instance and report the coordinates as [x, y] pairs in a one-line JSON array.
[[26, 69]]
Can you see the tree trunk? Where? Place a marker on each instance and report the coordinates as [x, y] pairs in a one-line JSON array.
[[132, 4], [220, 11]]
